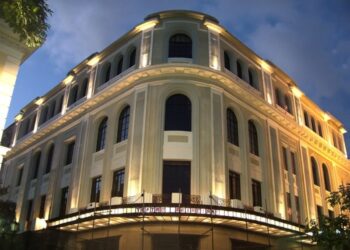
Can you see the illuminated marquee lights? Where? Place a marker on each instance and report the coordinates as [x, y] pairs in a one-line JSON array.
[[171, 211]]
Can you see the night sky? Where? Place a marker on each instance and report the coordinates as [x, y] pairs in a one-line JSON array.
[[309, 40]]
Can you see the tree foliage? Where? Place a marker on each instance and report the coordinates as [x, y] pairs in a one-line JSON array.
[[334, 233], [27, 18]]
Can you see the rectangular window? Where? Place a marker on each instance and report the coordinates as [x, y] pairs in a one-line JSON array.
[[331, 214], [294, 162], [69, 152], [285, 159], [234, 185], [95, 189], [19, 176], [29, 210], [64, 200], [256, 189], [289, 207], [42, 206], [319, 212], [118, 183], [297, 207], [306, 119]]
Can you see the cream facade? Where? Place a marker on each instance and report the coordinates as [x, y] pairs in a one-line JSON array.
[[12, 54], [175, 131]]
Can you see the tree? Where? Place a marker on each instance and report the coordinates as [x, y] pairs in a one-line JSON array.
[[334, 233], [27, 18]]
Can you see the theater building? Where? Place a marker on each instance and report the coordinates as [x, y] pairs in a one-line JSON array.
[[176, 136]]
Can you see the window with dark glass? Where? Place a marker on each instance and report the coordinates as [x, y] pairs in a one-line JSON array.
[[106, 72], [60, 105], [227, 61], [335, 141], [119, 66], [36, 164], [327, 181], [178, 114], [73, 95], [239, 69], [285, 159], [232, 127], [132, 57], [118, 183], [320, 132], [101, 134], [95, 189], [331, 214], [289, 206], [42, 206], [297, 207], [253, 138], [123, 124], [288, 105], [278, 97], [251, 78], [180, 45], [52, 108], [306, 119], [315, 175], [84, 88], [19, 176], [256, 189], [234, 185], [44, 114], [63, 202], [313, 124], [294, 162], [29, 210], [69, 152], [49, 159]]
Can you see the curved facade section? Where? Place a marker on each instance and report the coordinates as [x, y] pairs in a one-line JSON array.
[[175, 125]]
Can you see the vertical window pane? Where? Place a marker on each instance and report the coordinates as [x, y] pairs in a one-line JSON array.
[[253, 139], [118, 183], [178, 114], [232, 127], [256, 189], [285, 159], [42, 206], [36, 164], [132, 57], [69, 152], [101, 134], [315, 172], [64, 200], [123, 124], [239, 69], [227, 61], [95, 189], [327, 182], [19, 177], [234, 185], [49, 159], [294, 162]]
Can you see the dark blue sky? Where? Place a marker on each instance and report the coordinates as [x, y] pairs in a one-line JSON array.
[[309, 40]]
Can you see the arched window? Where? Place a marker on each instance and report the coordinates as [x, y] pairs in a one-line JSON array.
[[49, 159], [327, 181], [106, 72], [232, 127], [253, 138], [36, 164], [239, 69], [101, 134], [178, 114], [84, 87], [180, 45], [315, 175], [73, 95], [132, 57], [251, 75], [227, 61], [123, 124], [120, 65]]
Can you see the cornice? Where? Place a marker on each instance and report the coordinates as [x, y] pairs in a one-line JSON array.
[[200, 73]]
